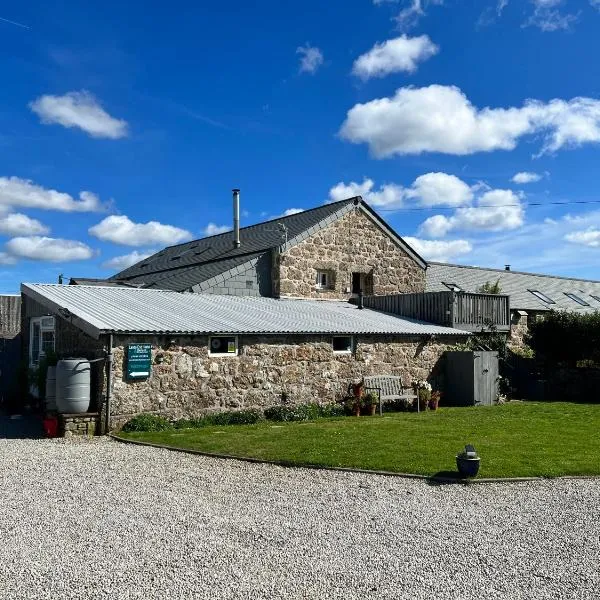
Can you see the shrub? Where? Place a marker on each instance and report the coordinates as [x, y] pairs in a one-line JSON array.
[[147, 422], [303, 412]]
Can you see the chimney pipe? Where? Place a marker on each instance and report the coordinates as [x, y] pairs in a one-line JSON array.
[[507, 267], [236, 218]]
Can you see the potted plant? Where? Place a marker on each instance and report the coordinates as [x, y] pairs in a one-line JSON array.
[[369, 402], [435, 400], [423, 390], [467, 462]]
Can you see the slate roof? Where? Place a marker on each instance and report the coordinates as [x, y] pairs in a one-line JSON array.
[[180, 267], [97, 310], [517, 285]]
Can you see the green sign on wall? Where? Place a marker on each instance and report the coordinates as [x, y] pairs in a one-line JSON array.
[[139, 361]]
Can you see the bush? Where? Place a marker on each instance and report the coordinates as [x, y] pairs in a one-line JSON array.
[[234, 417], [147, 422], [303, 412]]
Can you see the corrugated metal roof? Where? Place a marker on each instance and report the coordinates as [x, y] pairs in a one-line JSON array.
[[99, 310], [517, 285]]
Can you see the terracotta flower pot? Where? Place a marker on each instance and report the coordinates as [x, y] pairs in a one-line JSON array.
[[433, 404], [371, 409]]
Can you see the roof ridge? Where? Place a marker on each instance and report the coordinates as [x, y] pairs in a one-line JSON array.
[[494, 270], [273, 220]]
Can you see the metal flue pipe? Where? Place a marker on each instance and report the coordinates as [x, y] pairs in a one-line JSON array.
[[236, 218]]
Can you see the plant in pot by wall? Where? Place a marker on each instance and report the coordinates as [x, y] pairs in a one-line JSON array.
[[369, 403], [423, 391], [435, 400]]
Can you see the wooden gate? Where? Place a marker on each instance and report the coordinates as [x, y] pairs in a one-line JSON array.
[[471, 378]]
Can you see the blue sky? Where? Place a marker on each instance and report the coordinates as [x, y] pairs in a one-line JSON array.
[[473, 126]]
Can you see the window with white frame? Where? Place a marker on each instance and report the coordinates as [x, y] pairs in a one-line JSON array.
[[41, 338], [223, 345], [324, 280], [342, 344]]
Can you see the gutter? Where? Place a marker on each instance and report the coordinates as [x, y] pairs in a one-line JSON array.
[[109, 366]]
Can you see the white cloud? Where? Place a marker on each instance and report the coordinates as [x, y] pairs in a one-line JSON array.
[[79, 109], [400, 54], [589, 237], [292, 211], [22, 192], [595, 3], [496, 210], [526, 177], [311, 58], [214, 229], [439, 251], [548, 17], [388, 195], [441, 119], [440, 189], [7, 259], [121, 230], [119, 263], [411, 13], [48, 249], [19, 224]]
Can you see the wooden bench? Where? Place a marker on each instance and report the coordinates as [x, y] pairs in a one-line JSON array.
[[389, 388]]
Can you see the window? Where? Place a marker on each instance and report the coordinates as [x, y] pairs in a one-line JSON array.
[[542, 297], [41, 338], [324, 280], [577, 299], [453, 287], [223, 345], [342, 344]]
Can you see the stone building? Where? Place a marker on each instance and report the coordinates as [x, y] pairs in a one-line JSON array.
[[209, 352]]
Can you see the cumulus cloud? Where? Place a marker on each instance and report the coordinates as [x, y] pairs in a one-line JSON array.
[[121, 230], [430, 189], [526, 177], [388, 195], [400, 54], [588, 237], [441, 119], [436, 250], [79, 109], [18, 224], [119, 263], [496, 210], [311, 59], [411, 12], [214, 229], [48, 249], [440, 189], [7, 259], [22, 192]]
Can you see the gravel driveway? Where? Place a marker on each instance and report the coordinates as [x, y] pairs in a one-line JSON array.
[[102, 519]]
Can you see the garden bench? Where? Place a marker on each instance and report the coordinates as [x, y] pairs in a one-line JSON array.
[[389, 388]]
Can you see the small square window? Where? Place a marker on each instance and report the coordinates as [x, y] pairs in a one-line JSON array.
[[223, 345], [577, 299], [342, 344], [324, 280]]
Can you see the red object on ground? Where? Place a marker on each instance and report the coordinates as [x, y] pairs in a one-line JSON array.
[[51, 426]]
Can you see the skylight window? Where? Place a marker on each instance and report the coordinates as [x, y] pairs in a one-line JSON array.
[[577, 299], [596, 298], [453, 287], [542, 297]]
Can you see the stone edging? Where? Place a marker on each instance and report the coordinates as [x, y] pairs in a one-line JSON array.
[[281, 463]]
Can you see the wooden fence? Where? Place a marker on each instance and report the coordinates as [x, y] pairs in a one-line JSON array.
[[461, 310]]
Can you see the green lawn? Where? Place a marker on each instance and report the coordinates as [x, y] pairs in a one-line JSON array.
[[513, 440]]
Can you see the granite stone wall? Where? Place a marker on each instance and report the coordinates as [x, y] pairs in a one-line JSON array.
[[187, 382], [352, 244]]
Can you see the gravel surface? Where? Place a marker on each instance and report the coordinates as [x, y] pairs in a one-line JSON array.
[[101, 519]]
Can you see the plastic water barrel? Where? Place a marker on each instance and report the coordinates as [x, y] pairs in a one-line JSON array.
[[73, 385], [51, 389]]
